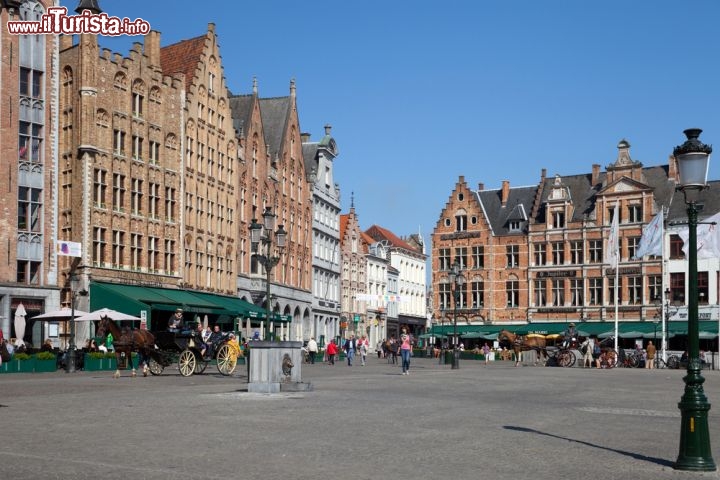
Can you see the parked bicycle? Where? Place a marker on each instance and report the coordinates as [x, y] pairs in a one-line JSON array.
[[673, 361]]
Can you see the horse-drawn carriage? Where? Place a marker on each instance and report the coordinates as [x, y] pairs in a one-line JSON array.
[[158, 350], [185, 349]]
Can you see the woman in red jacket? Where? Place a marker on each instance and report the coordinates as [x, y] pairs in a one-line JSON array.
[[331, 352]]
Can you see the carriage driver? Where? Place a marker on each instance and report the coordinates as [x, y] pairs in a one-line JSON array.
[[176, 320], [570, 335]]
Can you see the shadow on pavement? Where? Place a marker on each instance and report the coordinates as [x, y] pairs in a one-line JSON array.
[[637, 456]]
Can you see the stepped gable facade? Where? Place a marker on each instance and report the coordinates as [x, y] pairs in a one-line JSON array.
[[537, 253], [273, 175], [211, 166], [120, 172]]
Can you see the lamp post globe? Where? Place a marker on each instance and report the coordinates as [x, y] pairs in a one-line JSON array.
[[695, 454]]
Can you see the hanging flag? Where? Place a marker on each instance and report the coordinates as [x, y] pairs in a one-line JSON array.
[[68, 249], [652, 237], [612, 253], [708, 238]]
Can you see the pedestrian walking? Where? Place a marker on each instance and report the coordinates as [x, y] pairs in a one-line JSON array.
[[350, 348], [331, 352], [379, 349], [405, 351], [486, 352], [312, 349], [363, 346]]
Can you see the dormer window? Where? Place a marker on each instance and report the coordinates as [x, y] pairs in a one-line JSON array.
[[558, 219], [514, 225]]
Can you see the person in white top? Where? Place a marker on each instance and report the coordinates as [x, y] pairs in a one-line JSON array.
[[312, 347]]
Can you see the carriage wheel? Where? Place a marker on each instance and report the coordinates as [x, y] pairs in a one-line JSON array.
[[609, 359], [200, 363], [226, 361], [186, 363], [155, 367], [566, 358], [673, 361]]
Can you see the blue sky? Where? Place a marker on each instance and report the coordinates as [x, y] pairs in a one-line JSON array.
[[421, 92]]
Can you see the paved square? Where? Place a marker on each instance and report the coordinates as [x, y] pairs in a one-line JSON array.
[[357, 423]]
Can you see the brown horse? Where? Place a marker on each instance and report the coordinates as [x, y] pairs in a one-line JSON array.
[[521, 343], [128, 341]]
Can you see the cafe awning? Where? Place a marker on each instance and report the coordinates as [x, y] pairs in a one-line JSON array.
[[132, 299]]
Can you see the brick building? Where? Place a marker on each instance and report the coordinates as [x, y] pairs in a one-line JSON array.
[[121, 171], [273, 175], [28, 156], [537, 254], [353, 283]]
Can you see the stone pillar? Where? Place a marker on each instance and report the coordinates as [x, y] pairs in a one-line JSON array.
[[266, 367]]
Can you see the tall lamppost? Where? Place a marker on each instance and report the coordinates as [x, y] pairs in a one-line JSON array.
[[263, 234], [693, 158], [458, 280], [71, 358]]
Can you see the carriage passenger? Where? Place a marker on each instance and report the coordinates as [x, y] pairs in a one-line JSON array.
[[214, 340], [176, 321], [199, 339]]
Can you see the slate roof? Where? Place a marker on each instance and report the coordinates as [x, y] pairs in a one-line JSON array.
[[182, 57], [709, 199], [520, 201], [378, 233], [241, 107], [274, 113], [583, 195], [310, 151]]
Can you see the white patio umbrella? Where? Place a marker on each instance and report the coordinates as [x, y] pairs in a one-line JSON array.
[[62, 314], [105, 312], [20, 324]]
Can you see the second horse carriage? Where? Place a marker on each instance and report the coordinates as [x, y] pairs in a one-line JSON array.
[[185, 349]]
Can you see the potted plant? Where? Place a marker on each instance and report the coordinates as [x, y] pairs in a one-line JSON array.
[[45, 362]]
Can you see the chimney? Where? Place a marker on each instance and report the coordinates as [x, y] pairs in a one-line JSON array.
[[152, 48], [595, 178], [505, 192], [305, 137], [481, 187], [672, 168], [543, 174], [327, 127]]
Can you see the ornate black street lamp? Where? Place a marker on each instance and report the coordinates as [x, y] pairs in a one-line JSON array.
[[458, 280], [693, 158], [263, 234]]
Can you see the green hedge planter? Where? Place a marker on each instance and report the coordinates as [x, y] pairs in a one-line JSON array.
[[45, 366], [18, 366], [95, 363]]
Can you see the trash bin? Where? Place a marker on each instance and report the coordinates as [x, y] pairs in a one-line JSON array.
[[448, 357]]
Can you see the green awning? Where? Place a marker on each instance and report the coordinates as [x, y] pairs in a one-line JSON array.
[[241, 307], [132, 299]]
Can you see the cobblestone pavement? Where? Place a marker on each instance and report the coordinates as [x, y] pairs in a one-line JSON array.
[[357, 423]]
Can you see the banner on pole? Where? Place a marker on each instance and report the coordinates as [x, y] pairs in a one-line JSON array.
[[68, 249]]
